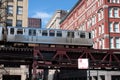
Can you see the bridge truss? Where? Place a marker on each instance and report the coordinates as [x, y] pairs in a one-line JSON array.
[[67, 58], [59, 57]]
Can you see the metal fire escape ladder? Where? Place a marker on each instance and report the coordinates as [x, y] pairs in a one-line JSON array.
[[3, 12], [3, 15]]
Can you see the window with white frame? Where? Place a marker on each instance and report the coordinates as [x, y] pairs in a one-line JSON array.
[[19, 23], [116, 27], [99, 16], [116, 12], [110, 27], [10, 9], [103, 44], [115, 1], [19, 10], [99, 30], [102, 27], [111, 43], [117, 42], [110, 12], [93, 20]]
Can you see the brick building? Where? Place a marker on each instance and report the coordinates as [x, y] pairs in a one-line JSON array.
[[100, 17], [34, 22], [56, 18]]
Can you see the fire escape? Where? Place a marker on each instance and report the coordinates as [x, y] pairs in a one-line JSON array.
[[3, 16], [3, 19], [3, 12]]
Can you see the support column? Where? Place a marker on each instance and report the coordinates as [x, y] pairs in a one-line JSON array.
[[30, 72], [45, 74]]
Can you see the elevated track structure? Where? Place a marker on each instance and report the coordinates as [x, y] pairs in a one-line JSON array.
[[60, 58]]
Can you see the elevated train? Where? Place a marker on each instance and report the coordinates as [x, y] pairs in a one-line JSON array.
[[24, 35]]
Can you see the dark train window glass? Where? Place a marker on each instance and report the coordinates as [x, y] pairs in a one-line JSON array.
[[70, 34], [44, 33], [11, 30], [82, 35], [32, 32], [90, 36], [59, 34], [19, 31], [51, 33]]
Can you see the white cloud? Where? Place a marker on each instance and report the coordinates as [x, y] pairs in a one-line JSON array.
[[44, 16]]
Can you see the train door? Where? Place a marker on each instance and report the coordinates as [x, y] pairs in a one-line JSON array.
[[70, 36], [32, 34]]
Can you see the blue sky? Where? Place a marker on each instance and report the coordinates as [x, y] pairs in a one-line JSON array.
[[46, 8]]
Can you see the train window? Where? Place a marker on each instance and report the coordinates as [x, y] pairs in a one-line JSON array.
[[32, 32], [51, 33], [82, 35], [59, 33], [44, 33], [39, 31], [90, 36], [2, 31], [19, 31], [70, 34], [11, 30]]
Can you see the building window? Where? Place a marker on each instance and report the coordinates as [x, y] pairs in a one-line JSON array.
[[111, 43], [19, 23], [115, 1], [111, 27], [116, 12], [99, 30], [117, 42], [10, 9], [19, 10], [9, 22], [102, 26], [110, 12], [116, 27]]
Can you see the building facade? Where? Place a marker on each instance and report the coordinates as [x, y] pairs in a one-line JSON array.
[[14, 13], [56, 18], [100, 17], [34, 22]]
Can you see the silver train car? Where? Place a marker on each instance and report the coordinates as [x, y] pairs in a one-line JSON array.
[[46, 36]]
